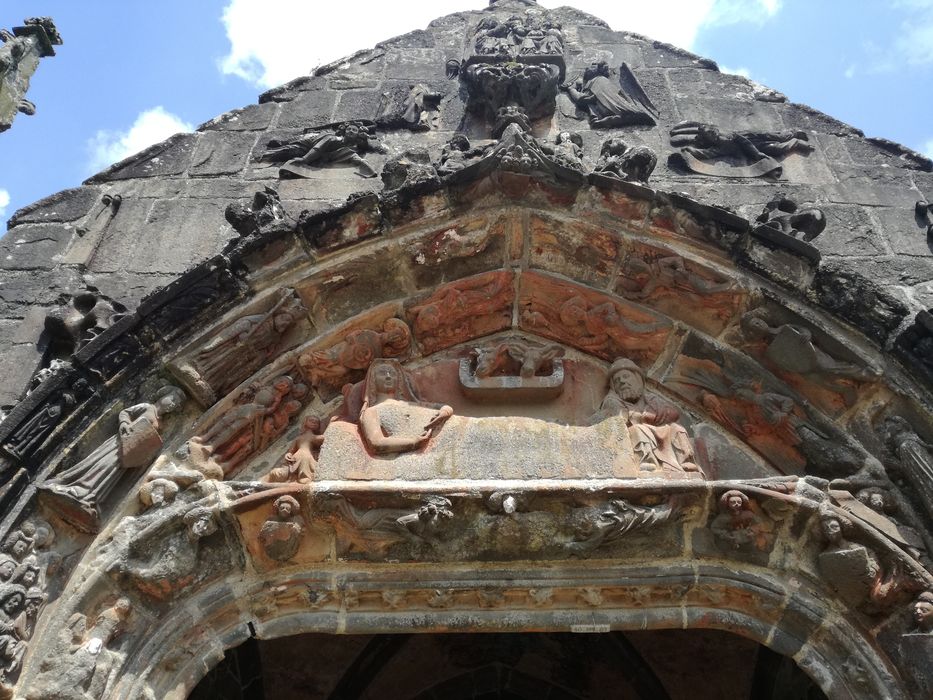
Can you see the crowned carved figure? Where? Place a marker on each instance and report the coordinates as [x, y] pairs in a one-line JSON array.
[[393, 419], [661, 443], [86, 485]]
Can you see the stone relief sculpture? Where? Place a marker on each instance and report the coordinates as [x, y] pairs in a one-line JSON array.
[[609, 103], [661, 444], [643, 277], [80, 667], [791, 347], [529, 88], [623, 162], [923, 211], [280, 535], [417, 111], [264, 210], [783, 215], [706, 150], [19, 58], [26, 563], [301, 459], [879, 509], [617, 518], [422, 525], [81, 490], [740, 524], [247, 428], [462, 310], [457, 154], [518, 36], [393, 419], [347, 143], [513, 369], [73, 325], [331, 367], [913, 457], [923, 612], [248, 343]]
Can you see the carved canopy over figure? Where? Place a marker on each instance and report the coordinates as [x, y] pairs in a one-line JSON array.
[[347, 144], [393, 419], [661, 444], [87, 484], [611, 103]]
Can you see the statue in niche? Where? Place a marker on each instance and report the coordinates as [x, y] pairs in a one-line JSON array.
[[643, 277], [611, 104], [245, 429], [421, 525], [706, 150], [784, 216], [244, 346], [457, 154], [347, 144], [740, 524], [623, 162], [355, 352], [30, 435], [393, 419], [791, 347], [301, 459], [88, 483], [923, 612], [619, 517], [81, 663], [418, 111], [914, 457], [661, 444], [280, 535]]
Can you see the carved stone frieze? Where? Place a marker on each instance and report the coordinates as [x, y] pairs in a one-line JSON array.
[[706, 150], [239, 349], [79, 492], [592, 322], [463, 310], [611, 103], [339, 144]]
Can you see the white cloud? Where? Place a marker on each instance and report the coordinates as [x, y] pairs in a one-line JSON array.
[[850, 72], [926, 149], [4, 201], [152, 126], [744, 72], [274, 41]]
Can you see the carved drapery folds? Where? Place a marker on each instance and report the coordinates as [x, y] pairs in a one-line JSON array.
[[707, 150], [611, 103], [80, 491]]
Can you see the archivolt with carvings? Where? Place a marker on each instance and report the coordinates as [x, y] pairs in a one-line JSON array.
[[663, 412]]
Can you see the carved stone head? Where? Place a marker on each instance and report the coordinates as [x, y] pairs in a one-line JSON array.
[[596, 69], [627, 379], [923, 611], [200, 522], [733, 501], [169, 399], [286, 507], [387, 379]]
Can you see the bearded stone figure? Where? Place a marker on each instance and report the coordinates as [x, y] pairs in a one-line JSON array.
[[661, 443]]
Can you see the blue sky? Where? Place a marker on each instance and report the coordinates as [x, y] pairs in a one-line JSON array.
[[131, 73]]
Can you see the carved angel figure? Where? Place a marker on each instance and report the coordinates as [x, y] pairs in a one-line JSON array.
[[301, 460], [661, 444], [608, 104], [393, 419], [137, 442]]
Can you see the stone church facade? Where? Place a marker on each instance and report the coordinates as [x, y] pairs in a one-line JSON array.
[[516, 325]]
